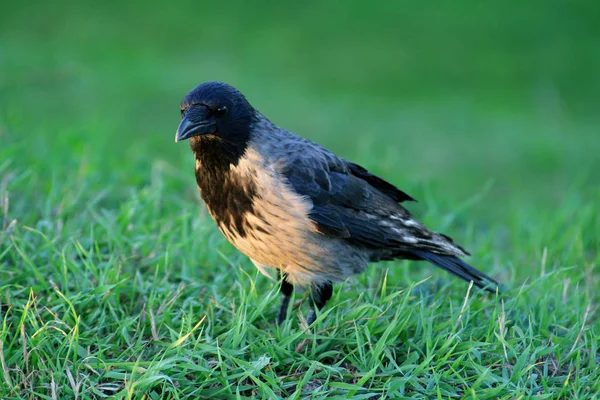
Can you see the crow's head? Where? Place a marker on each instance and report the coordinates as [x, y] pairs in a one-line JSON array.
[[215, 110]]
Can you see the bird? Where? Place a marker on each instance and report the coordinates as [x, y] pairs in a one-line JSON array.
[[291, 205]]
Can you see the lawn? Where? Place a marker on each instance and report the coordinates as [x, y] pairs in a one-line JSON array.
[[114, 281]]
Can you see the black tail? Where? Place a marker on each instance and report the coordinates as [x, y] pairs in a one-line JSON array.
[[458, 267]]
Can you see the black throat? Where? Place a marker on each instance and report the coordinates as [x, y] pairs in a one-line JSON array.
[[228, 196]]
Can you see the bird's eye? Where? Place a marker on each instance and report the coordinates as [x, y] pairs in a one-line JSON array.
[[222, 110]]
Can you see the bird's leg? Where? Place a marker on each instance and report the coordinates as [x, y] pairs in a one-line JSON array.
[[320, 294], [286, 292]]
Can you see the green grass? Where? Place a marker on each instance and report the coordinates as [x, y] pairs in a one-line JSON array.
[[115, 282]]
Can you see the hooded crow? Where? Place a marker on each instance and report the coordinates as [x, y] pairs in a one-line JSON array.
[[288, 203]]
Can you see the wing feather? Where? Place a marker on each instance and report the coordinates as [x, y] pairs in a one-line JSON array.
[[348, 201]]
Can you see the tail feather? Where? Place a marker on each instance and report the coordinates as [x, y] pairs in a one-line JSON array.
[[458, 267]]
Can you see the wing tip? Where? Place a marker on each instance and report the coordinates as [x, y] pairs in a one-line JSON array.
[[460, 269]]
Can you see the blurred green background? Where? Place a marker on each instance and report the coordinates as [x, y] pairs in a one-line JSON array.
[[447, 94], [487, 107]]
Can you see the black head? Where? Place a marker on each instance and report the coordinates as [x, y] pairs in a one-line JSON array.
[[215, 111]]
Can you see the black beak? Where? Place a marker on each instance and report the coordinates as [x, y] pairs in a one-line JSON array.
[[188, 129]]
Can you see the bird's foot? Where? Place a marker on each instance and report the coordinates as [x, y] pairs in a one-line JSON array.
[[312, 316]]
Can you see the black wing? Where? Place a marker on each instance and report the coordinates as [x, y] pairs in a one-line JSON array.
[[354, 205], [382, 185], [349, 202]]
